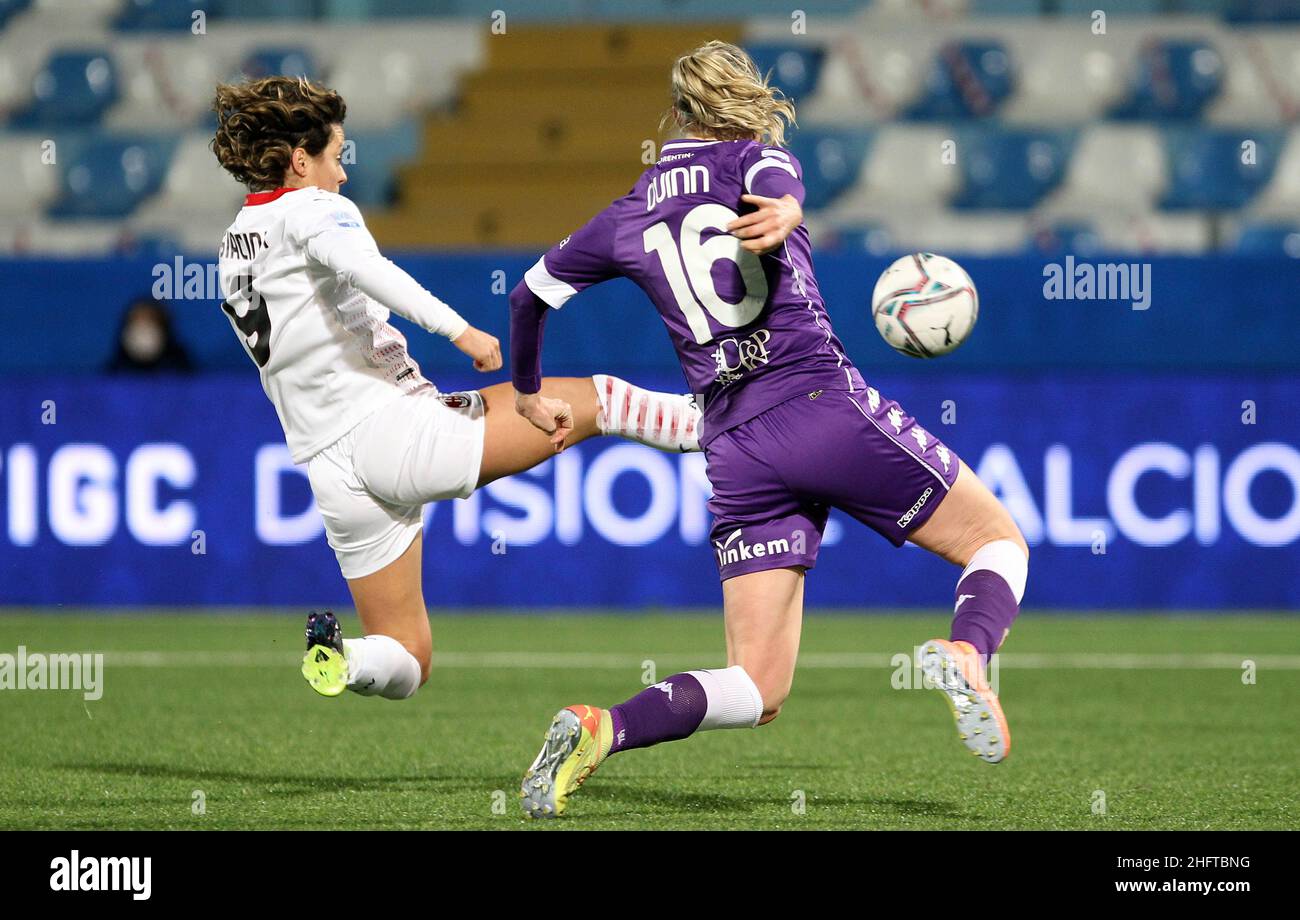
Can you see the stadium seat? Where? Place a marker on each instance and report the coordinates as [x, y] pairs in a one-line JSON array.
[[953, 233], [904, 169], [868, 76], [1154, 232], [156, 15], [1281, 197], [166, 83], [371, 178], [110, 176], [9, 7], [260, 9], [195, 187], [1050, 56], [1216, 170], [793, 69], [831, 161], [1263, 10], [1173, 79], [32, 180], [1009, 169], [74, 87], [1112, 168], [1271, 240], [287, 61], [1064, 237], [966, 79]]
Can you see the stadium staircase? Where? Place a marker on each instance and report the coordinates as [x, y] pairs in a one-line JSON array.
[[555, 126]]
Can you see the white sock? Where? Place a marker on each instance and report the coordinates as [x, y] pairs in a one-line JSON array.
[[1004, 558], [668, 421], [381, 666], [733, 700]]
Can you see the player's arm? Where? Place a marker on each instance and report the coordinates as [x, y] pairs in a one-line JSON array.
[[576, 263], [341, 242], [774, 186]]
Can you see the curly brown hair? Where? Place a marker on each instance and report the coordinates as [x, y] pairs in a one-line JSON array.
[[260, 122]]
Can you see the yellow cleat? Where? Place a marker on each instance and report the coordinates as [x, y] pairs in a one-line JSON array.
[[577, 742], [326, 669]]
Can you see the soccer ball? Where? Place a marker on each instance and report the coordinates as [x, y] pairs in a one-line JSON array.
[[925, 305]]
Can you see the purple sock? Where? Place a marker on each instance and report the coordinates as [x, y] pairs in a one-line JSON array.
[[669, 710], [985, 610]]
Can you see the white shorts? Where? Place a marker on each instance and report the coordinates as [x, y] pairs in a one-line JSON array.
[[371, 485]]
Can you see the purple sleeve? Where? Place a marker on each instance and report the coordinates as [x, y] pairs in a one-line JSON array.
[[773, 173], [527, 319], [582, 259]]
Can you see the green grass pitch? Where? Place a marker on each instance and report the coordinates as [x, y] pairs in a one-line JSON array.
[[1148, 716]]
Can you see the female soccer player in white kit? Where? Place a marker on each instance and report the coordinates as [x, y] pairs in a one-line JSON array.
[[309, 296]]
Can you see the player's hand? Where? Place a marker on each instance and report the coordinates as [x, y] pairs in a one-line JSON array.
[[554, 417], [764, 230], [483, 348]]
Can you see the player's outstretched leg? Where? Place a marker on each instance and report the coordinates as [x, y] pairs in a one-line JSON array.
[[763, 616], [580, 738], [602, 405], [971, 528]]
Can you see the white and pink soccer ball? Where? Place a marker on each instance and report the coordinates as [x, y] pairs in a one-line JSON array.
[[925, 305]]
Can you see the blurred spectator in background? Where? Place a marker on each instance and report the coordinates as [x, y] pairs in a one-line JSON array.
[[146, 342]]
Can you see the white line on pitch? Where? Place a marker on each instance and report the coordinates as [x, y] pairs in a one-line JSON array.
[[1104, 661]]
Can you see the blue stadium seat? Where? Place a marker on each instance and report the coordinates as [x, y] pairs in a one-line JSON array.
[[109, 176], [75, 87], [966, 79], [870, 239], [1268, 239], [371, 179], [1206, 168], [270, 62], [1263, 10], [9, 7], [260, 9], [1009, 168], [1174, 79], [1078, 237], [831, 161], [794, 70], [156, 15]]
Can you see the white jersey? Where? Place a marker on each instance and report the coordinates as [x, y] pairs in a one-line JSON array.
[[308, 295]]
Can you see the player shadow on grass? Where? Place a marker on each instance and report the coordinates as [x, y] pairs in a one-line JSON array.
[[676, 801], [309, 784]]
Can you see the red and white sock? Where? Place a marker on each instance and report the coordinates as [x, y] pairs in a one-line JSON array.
[[668, 421]]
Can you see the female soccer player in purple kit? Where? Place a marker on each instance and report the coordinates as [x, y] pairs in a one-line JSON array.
[[713, 234]]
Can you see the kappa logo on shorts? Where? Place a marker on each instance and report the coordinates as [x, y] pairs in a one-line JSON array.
[[912, 511], [743, 552], [455, 400]]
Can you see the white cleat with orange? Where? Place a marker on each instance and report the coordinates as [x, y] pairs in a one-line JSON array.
[[955, 669]]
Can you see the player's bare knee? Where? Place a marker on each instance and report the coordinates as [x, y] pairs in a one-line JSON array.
[[422, 652]]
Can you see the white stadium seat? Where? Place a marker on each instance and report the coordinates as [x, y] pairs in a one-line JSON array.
[[1281, 197], [31, 181], [903, 168], [1117, 167], [1154, 232], [1051, 57], [167, 84], [983, 233]]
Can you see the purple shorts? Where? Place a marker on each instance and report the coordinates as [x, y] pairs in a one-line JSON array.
[[776, 477]]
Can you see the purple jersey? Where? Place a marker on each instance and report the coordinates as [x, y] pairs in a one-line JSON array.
[[750, 332]]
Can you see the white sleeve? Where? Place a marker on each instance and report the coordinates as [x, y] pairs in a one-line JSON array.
[[341, 242]]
